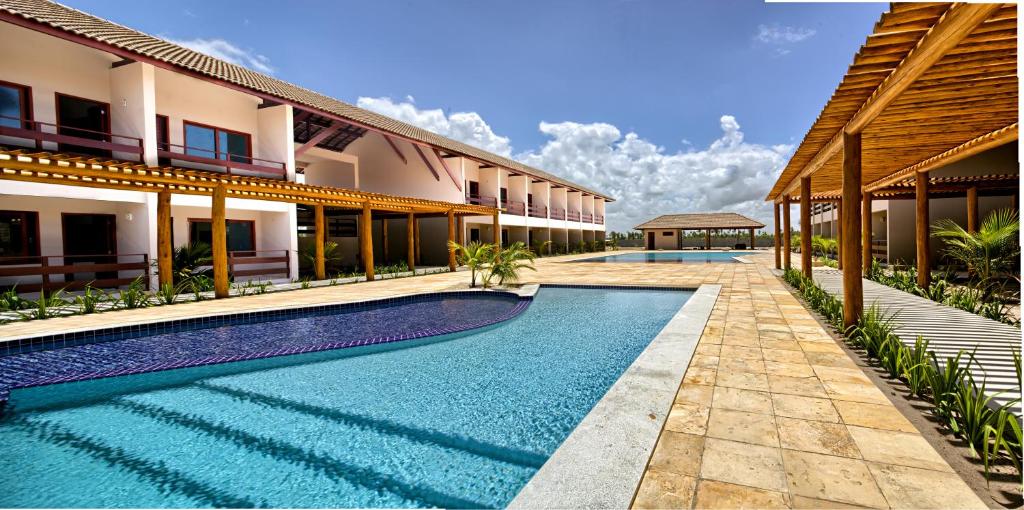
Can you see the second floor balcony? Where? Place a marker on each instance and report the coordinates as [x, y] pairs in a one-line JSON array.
[[557, 214], [28, 133], [572, 216], [598, 219], [481, 200], [231, 161], [538, 211], [587, 218], [517, 208]]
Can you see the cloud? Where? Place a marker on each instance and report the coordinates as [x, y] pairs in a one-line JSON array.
[[730, 174], [224, 50], [779, 38], [467, 127]]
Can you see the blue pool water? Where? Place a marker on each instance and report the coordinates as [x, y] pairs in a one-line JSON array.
[[461, 420], [670, 256]]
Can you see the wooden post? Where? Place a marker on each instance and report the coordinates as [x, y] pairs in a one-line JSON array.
[[410, 241], [451, 237], [924, 262], [218, 224], [805, 227], [460, 229], [416, 240], [497, 231], [778, 237], [839, 236], [787, 230], [384, 241], [707, 239], [867, 246], [319, 236], [752, 238], [972, 209], [164, 250], [366, 241], [853, 285]]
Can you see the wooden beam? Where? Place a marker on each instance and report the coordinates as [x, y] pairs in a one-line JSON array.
[[444, 164], [385, 258], [497, 231], [319, 236], [867, 246], [410, 241], [924, 265], [853, 285], [806, 265], [218, 225], [317, 138], [394, 147], [451, 238], [366, 241], [817, 162], [778, 237], [164, 250], [426, 161], [787, 247], [972, 209], [951, 29]]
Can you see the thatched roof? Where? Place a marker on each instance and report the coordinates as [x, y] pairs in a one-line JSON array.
[[700, 221]]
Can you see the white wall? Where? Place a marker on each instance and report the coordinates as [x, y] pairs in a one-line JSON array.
[[381, 171]]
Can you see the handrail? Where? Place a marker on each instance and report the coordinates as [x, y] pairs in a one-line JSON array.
[[538, 211], [269, 261], [517, 208], [587, 218], [482, 200], [49, 132], [221, 159], [558, 214], [43, 266], [572, 216], [598, 219]]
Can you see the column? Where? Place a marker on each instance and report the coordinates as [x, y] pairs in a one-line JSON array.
[[410, 241], [164, 249], [497, 231], [707, 239], [787, 247], [778, 238], [805, 226], [853, 286], [218, 226], [839, 235], [972, 209], [319, 266], [865, 232], [366, 241], [924, 263], [752, 239], [451, 238]]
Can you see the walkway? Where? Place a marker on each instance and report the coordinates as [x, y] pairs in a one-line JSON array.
[[947, 329]]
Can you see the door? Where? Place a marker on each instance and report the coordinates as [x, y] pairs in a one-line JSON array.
[[474, 235], [650, 240], [474, 189], [83, 118], [90, 239]]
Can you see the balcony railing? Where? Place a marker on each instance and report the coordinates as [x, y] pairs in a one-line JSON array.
[[598, 219], [482, 200], [572, 216], [517, 208], [78, 138], [229, 162], [259, 263], [100, 271], [539, 211], [587, 218], [558, 214]]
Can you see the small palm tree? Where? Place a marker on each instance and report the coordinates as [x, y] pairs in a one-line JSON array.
[[474, 255], [188, 259], [307, 257], [987, 253], [826, 246], [506, 264]]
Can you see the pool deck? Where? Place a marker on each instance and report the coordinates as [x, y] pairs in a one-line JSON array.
[[772, 413]]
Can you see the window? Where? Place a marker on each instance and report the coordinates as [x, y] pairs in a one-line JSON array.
[[473, 189], [504, 195], [19, 235], [341, 227], [216, 143], [15, 104], [241, 234], [667, 234]]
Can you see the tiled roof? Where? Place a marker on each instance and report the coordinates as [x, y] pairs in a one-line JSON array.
[[698, 221], [111, 34]]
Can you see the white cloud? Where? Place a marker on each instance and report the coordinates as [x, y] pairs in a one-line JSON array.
[[224, 50], [467, 127], [780, 38], [730, 174]]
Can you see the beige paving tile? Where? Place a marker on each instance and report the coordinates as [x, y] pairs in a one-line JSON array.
[[856, 392], [802, 502], [743, 464], [781, 345], [788, 369], [678, 453], [805, 386], [821, 347], [688, 418], [907, 487], [713, 494], [743, 380], [816, 436], [707, 349], [704, 361], [901, 448], [876, 416], [784, 356], [829, 359], [754, 366], [738, 352], [695, 394], [742, 400], [659, 490], [753, 428], [699, 375], [839, 479], [806, 408]]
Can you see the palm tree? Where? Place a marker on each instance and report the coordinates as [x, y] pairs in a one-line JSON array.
[[507, 262], [307, 257], [987, 253], [474, 255], [187, 260], [825, 245]]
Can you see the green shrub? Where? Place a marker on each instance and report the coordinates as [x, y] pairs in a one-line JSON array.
[[135, 296], [916, 367], [943, 382], [10, 301], [90, 299], [45, 307]]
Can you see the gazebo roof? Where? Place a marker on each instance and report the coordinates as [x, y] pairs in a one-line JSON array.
[[700, 221]]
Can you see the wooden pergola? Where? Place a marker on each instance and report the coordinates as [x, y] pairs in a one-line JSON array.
[[49, 168], [934, 84]]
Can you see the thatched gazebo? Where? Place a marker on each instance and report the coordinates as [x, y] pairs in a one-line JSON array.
[[666, 231]]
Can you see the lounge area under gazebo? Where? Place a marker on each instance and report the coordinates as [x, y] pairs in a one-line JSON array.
[[666, 232]]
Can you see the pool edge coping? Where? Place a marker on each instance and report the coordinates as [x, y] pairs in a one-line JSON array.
[[602, 461]]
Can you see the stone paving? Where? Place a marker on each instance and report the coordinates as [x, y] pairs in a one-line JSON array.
[[771, 413]]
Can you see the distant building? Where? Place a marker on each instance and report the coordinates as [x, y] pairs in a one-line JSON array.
[[667, 232]]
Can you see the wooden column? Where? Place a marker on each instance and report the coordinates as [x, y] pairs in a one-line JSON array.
[[867, 247], [416, 240], [972, 209], [924, 261], [752, 239], [451, 237], [460, 229], [410, 241], [805, 227], [778, 237], [839, 235], [218, 225], [319, 236], [366, 241], [787, 231], [707, 239], [164, 250], [853, 285], [384, 241], [497, 231]]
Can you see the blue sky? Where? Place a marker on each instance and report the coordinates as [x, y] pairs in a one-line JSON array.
[[592, 71]]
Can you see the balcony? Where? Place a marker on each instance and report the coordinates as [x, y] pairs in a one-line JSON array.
[[69, 140], [558, 214], [598, 219], [482, 200], [587, 218], [572, 216], [79, 271], [538, 211], [203, 158], [517, 208]]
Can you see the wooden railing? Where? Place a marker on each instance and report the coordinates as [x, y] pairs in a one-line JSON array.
[[880, 249], [259, 263], [558, 214], [104, 269], [40, 132], [572, 216], [229, 162], [598, 219], [538, 211], [482, 200], [587, 218], [517, 208]]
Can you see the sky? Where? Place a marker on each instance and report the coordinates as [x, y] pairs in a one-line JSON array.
[[668, 106]]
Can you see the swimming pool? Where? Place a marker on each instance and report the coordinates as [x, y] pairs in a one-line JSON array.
[[670, 256], [458, 420]]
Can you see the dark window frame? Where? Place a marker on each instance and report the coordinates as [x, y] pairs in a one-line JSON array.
[[252, 232], [24, 101], [217, 150], [33, 249]]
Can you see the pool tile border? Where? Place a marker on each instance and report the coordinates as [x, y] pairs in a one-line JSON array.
[[603, 460]]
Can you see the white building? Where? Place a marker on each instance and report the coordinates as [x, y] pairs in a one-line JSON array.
[[78, 85]]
